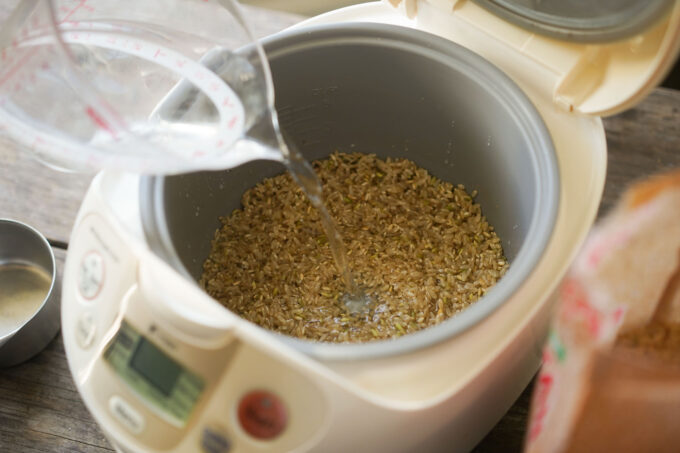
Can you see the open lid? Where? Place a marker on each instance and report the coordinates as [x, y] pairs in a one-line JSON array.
[[597, 57], [581, 20]]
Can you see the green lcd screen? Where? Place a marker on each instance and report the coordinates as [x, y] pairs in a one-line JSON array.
[[153, 375], [156, 367]]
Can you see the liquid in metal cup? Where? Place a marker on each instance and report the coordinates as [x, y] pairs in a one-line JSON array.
[[29, 293]]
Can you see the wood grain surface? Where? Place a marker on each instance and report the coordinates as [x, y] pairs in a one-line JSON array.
[[40, 409]]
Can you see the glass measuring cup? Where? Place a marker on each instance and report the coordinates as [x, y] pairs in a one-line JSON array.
[[91, 84], [159, 86]]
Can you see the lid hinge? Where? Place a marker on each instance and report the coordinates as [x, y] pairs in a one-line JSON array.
[[596, 79], [410, 6], [584, 77]]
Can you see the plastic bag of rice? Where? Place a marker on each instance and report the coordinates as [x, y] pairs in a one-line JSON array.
[[610, 379]]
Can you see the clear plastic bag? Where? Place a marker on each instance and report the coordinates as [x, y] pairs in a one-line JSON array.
[[610, 379]]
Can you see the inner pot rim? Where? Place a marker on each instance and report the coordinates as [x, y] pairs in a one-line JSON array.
[[544, 169]]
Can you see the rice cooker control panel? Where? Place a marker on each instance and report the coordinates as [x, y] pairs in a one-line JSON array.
[[152, 388], [164, 384]]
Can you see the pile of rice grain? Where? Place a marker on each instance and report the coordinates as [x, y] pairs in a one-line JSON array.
[[418, 246]]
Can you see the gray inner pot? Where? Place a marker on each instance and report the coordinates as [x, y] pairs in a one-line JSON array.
[[395, 92]]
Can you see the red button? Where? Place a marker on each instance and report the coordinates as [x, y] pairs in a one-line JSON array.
[[262, 414]]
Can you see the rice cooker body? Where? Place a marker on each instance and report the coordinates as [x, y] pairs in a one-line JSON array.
[[226, 367]]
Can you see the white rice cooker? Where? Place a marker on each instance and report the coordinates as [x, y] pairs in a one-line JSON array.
[[164, 368]]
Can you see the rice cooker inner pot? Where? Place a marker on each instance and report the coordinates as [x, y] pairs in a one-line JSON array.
[[394, 92]]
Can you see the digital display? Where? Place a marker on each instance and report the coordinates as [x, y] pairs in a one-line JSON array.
[[159, 380], [157, 368]]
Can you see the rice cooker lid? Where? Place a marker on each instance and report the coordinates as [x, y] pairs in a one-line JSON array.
[[580, 20], [602, 56]]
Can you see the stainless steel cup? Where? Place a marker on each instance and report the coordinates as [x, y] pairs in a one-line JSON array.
[[22, 246]]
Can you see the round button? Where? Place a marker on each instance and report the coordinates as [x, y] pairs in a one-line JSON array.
[[85, 330], [262, 414], [91, 275], [126, 414]]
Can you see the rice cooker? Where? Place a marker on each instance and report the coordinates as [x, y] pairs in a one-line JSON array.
[[503, 96]]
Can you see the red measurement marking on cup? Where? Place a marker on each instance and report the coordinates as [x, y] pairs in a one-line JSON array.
[[98, 119], [38, 141], [31, 52], [231, 111], [73, 10], [19, 64]]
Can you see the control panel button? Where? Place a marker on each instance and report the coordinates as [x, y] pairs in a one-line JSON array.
[[214, 440], [91, 275], [262, 414], [126, 414], [85, 330]]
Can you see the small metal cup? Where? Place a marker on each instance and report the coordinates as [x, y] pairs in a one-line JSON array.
[[23, 245]]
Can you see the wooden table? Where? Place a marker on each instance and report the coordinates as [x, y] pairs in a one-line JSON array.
[[40, 409]]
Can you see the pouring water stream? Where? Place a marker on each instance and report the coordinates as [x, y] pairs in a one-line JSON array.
[[355, 299]]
